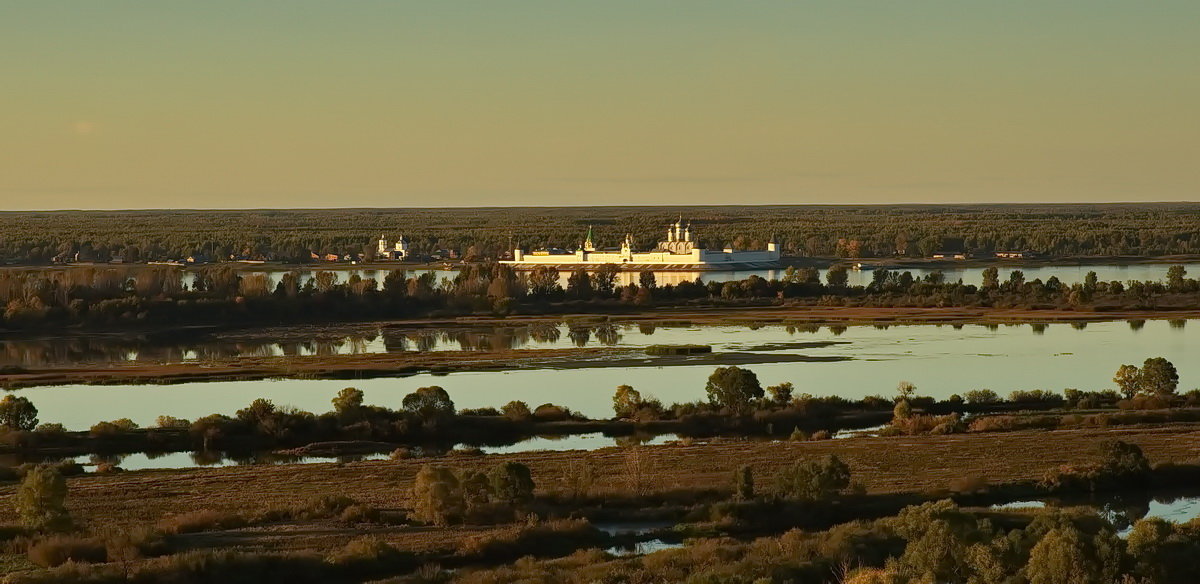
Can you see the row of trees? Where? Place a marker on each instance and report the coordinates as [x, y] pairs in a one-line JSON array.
[[845, 231], [104, 297]]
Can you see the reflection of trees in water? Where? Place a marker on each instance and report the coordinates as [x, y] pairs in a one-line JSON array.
[[113, 459], [1120, 509], [358, 345], [607, 334], [803, 327], [394, 342], [544, 332], [646, 328], [207, 457], [837, 329], [580, 335], [1038, 328]]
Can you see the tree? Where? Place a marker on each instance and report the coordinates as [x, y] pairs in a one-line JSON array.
[[813, 480], [1175, 278], [604, 281], [626, 401], [257, 412], [1158, 376], [348, 400], [836, 276], [905, 390], [579, 285], [647, 280], [781, 394], [435, 495], [429, 402], [511, 483], [1127, 380], [991, 278], [18, 413], [733, 387], [1064, 556], [41, 500]]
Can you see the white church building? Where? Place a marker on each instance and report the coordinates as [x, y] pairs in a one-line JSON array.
[[679, 251], [388, 252]]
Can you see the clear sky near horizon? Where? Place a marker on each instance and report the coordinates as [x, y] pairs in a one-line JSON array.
[[230, 104]]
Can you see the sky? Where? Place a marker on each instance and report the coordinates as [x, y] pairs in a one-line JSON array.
[[236, 104]]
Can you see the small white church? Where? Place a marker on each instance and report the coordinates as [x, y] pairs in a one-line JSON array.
[[679, 251], [387, 251]]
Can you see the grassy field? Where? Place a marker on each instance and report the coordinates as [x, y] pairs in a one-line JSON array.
[[881, 465]]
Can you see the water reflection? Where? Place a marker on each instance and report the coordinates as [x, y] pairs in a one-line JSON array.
[[1125, 509]]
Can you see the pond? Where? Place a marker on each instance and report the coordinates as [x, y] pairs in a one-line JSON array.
[[1125, 509], [939, 360]]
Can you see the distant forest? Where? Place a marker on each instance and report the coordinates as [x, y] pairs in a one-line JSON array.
[[481, 233]]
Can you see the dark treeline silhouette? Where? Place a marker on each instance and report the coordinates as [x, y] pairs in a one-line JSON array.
[[827, 231], [221, 295]]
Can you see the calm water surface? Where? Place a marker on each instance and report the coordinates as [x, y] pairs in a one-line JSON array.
[[940, 360]]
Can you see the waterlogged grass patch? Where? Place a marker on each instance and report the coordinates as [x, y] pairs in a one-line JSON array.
[[678, 349]]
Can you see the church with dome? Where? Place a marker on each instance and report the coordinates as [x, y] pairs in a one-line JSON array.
[[680, 250]]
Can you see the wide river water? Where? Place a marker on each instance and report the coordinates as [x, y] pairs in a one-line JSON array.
[[940, 360]]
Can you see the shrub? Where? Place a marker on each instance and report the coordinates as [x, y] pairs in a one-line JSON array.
[[511, 483], [202, 520], [58, 549], [171, 422], [51, 429], [435, 496], [551, 413], [743, 483], [813, 480], [982, 396], [369, 552], [516, 411], [41, 499]]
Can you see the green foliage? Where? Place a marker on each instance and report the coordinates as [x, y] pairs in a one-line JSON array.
[[517, 411], [1158, 376], [733, 387], [511, 483], [348, 401], [18, 413], [1064, 555], [982, 396], [626, 401], [41, 498], [781, 394], [818, 480], [429, 402], [441, 496]]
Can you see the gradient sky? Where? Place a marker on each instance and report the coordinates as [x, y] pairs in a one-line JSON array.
[[440, 103]]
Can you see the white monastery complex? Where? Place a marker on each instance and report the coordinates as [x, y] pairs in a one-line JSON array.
[[678, 251]]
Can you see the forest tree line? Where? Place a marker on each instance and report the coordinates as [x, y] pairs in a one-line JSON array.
[[221, 295], [481, 234]]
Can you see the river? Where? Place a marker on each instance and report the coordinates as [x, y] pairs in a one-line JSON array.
[[939, 360]]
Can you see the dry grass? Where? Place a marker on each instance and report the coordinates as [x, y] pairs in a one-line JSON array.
[[897, 464]]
